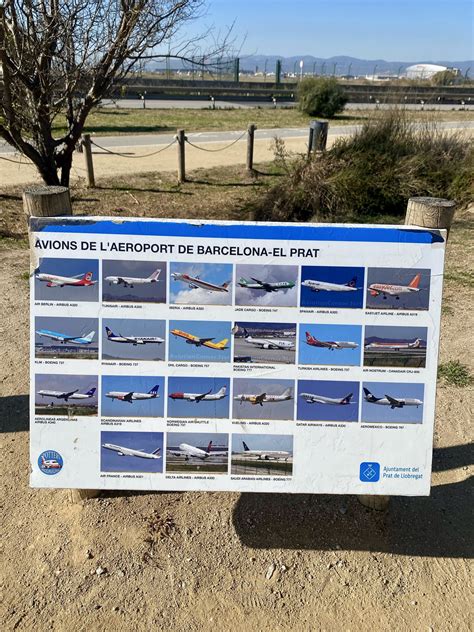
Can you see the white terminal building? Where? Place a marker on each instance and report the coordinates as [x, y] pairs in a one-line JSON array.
[[425, 71]]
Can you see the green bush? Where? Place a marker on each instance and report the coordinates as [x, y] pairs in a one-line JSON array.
[[372, 173], [321, 96]]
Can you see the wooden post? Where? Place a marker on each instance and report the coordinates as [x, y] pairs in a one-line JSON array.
[[320, 136], [250, 143], [181, 138], [47, 201], [89, 164], [428, 213]]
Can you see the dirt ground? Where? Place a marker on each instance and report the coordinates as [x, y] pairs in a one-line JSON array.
[[234, 562]]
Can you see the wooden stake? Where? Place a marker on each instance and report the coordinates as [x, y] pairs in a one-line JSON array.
[[181, 138], [47, 201], [89, 164], [250, 144]]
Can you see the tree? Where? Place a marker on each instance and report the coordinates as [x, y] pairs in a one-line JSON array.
[[59, 58], [321, 96], [445, 78]]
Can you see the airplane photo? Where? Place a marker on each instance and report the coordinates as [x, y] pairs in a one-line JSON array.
[[201, 283], [66, 395], [328, 400], [134, 281], [262, 455], [196, 452], [131, 451], [398, 288], [66, 338], [66, 280], [387, 346], [133, 339], [132, 396], [392, 402], [198, 397], [50, 464], [264, 342], [333, 345], [257, 398], [332, 286], [193, 340], [274, 285]]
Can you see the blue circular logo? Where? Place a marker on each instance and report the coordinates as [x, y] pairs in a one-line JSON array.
[[50, 462]]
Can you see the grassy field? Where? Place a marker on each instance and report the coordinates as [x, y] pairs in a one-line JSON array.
[[108, 121]]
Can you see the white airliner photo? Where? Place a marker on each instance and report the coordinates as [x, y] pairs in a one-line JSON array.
[[311, 398], [132, 340], [318, 286], [387, 289], [393, 402], [265, 286], [191, 452], [195, 282], [259, 400], [54, 280], [121, 451], [132, 281], [50, 464], [130, 396], [264, 455], [329, 344], [62, 338], [269, 343], [394, 346], [68, 395], [199, 397]]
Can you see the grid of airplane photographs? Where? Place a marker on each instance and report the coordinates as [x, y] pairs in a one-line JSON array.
[[150, 395]]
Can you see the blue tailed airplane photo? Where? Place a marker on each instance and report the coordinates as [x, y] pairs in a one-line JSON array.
[[198, 397], [328, 400], [63, 337], [392, 402], [131, 452], [132, 396], [332, 286], [133, 339], [338, 345]]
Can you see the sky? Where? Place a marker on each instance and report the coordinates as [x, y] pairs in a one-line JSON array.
[[133, 327], [332, 274], [218, 409], [269, 410], [309, 354], [111, 461], [270, 274], [385, 414], [328, 412], [138, 408], [67, 268], [262, 442], [399, 276], [391, 332], [148, 292], [218, 274], [181, 351], [395, 30], [65, 383]]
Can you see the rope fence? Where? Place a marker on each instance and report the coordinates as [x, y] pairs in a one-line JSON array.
[[116, 153]]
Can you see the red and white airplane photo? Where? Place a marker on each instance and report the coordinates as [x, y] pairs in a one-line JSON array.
[[55, 280]]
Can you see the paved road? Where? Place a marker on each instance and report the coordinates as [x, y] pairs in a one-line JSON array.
[[137, 140], [143, 140]]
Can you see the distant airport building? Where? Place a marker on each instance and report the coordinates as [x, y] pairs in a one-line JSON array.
[[426, 71]]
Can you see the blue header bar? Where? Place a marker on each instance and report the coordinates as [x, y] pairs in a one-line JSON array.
[[196, 230]]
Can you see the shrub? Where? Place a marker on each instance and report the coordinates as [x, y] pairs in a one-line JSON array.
[[321, 96], [372, 173]]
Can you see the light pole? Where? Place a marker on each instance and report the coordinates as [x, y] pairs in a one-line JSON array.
[[301, 69], [334, 66], [314, 68], [375, 70], [349, 70], [265, 70], [294, 68], [323, 67]]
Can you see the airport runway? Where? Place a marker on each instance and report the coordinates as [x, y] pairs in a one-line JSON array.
[[263, 356], [212, 465], [65, 410], [415, 358], [254, 467]]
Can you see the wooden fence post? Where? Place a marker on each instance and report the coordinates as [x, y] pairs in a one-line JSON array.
[[47, 201], [250, 143], [181, 138], [89, 164], [428, 213]]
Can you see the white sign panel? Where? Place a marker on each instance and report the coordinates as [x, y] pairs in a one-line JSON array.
[[173, 355]]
